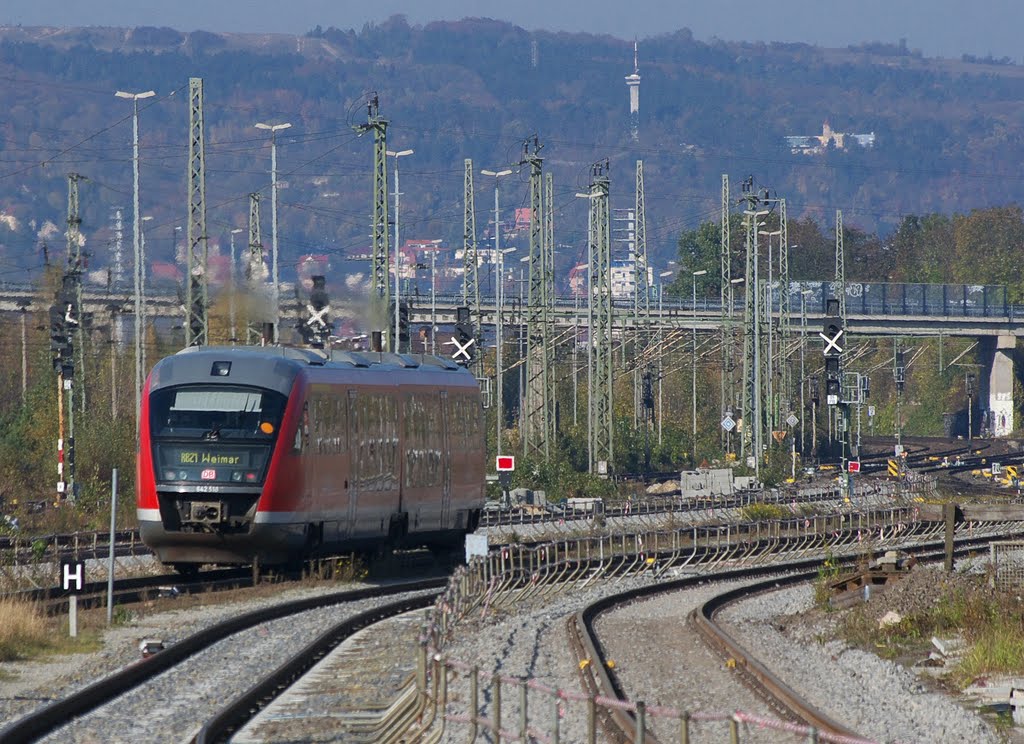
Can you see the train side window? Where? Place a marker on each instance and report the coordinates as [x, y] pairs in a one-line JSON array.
[[302, 429]]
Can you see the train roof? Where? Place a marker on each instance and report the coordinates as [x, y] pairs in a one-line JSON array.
[[275, 367]]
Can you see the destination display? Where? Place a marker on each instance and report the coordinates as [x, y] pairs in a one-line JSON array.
[[243, 465]]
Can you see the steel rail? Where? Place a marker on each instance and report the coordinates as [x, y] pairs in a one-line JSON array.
[[50, 717], [620, 722], [244, 708]]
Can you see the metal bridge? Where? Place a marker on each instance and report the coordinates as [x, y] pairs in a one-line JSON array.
[[872, 309]]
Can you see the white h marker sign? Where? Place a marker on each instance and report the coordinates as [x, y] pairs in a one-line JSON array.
[[78, 576]]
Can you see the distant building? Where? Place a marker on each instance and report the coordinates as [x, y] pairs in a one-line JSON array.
[[813, 144]]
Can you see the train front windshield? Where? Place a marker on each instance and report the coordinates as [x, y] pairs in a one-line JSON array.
[[214, 433]]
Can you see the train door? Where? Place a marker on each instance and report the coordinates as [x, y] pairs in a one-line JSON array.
[[446, 462], [357, 439]]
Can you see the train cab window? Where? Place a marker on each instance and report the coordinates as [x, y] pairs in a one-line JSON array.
[[219, 434], [216, 413]]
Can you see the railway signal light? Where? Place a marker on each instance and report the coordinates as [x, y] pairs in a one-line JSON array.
[[317, 329], [832, 335], [403, 325], [464, 341]]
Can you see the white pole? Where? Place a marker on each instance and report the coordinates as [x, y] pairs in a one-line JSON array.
[[398, 303], [433, 301], [273, 232], [110, 557], [499, 295]]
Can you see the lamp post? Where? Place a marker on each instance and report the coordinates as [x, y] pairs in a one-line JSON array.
[[693, 360], [136, 243], [231, 286], [498, 295], [396, 154], [274, 129]]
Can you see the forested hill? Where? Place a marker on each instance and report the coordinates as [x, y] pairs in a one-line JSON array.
[[948, 133]]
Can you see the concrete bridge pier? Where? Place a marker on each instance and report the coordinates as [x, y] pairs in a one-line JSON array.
[[1000, 386]]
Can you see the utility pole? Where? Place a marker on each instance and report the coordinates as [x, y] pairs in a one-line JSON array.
[[379, 255], [197, 322], [255, 275], [537, 420]]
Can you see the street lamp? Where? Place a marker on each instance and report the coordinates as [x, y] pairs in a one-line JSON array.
[[693, 360], [498, 293], [136, 244], [396, 155], [231, 283], [274, 129]]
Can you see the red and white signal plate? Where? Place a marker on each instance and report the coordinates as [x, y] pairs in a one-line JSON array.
[[853, 466], [504, 463]]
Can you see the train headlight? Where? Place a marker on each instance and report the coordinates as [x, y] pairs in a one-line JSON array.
[[236, 476], [221, 369], [267, 428]]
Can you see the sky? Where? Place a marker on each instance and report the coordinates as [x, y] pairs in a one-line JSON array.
[[946, 28]]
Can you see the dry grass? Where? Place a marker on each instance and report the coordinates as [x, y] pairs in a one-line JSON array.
[[24, 630]]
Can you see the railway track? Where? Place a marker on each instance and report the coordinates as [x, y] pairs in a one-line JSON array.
[[90, 699], [624, 721]]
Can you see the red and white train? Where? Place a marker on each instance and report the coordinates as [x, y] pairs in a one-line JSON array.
[[273, 454]]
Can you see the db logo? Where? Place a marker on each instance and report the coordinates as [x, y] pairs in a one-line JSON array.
[[208, 474]]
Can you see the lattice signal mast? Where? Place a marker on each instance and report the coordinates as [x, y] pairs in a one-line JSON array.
[[379, 285], [196, 288]]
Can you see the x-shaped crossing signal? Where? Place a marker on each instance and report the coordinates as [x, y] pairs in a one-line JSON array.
[[317, 317], [462, 349], [832, 343]]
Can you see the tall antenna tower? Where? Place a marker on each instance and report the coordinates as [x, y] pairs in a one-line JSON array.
[[379, 255], [470, 275], [633, 83], [538, 397], [197, 325]]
